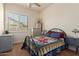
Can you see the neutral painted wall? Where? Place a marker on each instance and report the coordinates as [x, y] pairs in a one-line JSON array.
[[63, 16], [33, 16], [1, 18]]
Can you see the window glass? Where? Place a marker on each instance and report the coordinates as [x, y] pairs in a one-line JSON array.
[[17, 22]]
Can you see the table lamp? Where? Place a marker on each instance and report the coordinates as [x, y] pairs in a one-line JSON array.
[[75, 31]]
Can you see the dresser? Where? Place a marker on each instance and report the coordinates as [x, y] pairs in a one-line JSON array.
[[6, 42]]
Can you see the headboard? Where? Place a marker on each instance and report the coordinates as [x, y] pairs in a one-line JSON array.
[[57, 30]]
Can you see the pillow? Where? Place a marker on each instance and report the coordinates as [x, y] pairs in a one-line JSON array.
[[50, 32], [55, 35], [61, 35]]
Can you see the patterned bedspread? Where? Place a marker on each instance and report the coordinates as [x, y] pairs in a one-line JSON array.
[[41, 45], [41, 41]]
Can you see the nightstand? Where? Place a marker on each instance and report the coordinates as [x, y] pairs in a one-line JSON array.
[[73, 42], [76, 40], [77, 44]]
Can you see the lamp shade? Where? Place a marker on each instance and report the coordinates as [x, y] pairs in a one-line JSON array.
[[75, 30]]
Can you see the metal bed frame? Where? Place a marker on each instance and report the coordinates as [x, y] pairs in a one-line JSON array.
[[35, 52]]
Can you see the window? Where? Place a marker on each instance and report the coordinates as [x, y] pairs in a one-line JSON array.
[[17, 22]]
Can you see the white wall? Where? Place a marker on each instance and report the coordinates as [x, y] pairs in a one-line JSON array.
[[63, 16], [33, 16], [1, 18]]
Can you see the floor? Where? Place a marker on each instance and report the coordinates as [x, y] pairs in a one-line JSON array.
[[68, 52], [17, 51]]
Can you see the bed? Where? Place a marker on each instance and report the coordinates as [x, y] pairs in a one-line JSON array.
[[48, 44]]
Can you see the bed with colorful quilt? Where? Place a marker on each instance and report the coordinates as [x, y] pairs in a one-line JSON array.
[[48, 44]]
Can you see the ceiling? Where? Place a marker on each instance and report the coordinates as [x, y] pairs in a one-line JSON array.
[[34, 7]]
